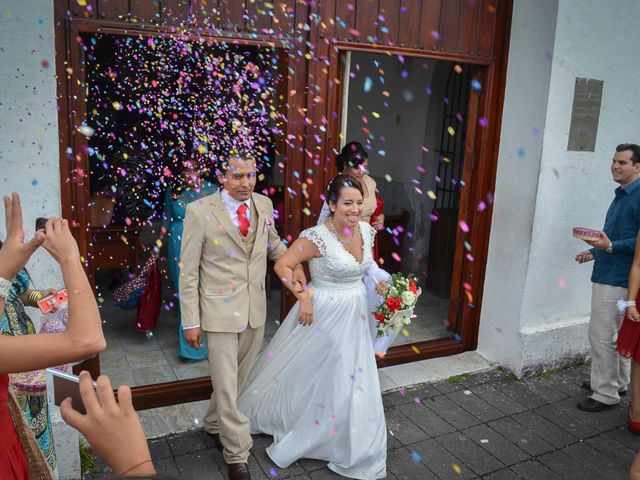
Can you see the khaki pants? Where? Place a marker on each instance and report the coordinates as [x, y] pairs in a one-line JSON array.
[[230, 358], [609, 371]]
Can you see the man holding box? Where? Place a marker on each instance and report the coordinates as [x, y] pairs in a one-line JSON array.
[[613, 255]]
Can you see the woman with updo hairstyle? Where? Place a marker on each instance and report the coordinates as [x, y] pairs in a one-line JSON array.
[[353, 160]]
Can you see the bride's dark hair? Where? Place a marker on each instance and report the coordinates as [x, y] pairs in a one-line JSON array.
[[338, 183]]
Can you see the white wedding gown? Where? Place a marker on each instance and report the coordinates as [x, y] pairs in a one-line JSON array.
[[315, 389]]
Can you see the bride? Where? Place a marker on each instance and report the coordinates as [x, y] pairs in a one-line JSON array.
[[315, 387]]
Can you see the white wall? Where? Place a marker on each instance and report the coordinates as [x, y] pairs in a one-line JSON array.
[[536, 296], [28, 120], [526, 95]]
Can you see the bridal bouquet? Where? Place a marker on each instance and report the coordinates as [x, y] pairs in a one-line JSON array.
[[395, 310]]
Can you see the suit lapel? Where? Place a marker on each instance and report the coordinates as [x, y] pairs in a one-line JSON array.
[[260, 230], [220, 211]]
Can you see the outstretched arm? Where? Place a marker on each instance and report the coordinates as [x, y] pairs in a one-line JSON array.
[[83, 336], [301, 251]]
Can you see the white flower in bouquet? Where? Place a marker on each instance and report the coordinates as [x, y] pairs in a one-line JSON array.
[[393, 292], [408, 297]]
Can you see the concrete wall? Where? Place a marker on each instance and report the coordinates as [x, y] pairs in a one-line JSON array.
[[28, 121], [536, 302]]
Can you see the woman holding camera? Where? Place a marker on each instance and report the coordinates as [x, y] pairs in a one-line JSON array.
[[20, 456]]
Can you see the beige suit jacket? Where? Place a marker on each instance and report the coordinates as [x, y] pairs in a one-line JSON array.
[[221, 288]]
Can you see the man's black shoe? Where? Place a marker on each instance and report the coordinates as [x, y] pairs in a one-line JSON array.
[[590, 405], [239, 471], [587, 386]]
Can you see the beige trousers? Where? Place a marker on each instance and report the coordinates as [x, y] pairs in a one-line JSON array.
[[609, 371], [230, 358]]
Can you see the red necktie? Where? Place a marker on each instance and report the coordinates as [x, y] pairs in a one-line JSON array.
[[243, 221]]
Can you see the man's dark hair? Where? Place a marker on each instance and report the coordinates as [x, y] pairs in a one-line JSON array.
[[635, 151]]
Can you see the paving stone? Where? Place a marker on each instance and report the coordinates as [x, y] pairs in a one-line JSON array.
[[545, 390], [601, 421], [504, 474], [496, 445], [392, 441], [568, 383], [481, 378], [447, 386], [426, 419], [440, 461], [623, 436], [490, 394], [407, 466], [586, 455], [451, 412], [475, 405], [197, 465], [534, 470], [567, 468], [521, 436], [521, 394], [159, 448], [167, 466], [544, 428], [476, 458], [260, 445], [403, 429], [311, 465], [567, 419], [396, 398], [325, 474], [613, 449], [429, 390], [188, 442]]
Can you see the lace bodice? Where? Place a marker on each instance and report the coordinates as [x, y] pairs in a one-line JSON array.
[[337, 265]]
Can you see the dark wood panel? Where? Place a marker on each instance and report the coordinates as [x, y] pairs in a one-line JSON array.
[[449, 24], [409, 31], [468, 32], [284, 17], [259, 16], [345, 18], [90, 10], [388, 22], [144, 11], [174, 13], [232, 15], [113, 10], [487, 19], [430, 24], [366, 20], [206, 13]]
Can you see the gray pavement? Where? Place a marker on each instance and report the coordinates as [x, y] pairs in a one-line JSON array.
[[487, 425]]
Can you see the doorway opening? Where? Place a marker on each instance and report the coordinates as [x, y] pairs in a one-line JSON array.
[[411, 113], [161, 111]]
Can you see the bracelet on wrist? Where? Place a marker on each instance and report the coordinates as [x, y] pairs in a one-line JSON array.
[[630, 303]]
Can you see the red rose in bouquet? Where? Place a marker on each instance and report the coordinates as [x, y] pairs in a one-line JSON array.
[[379, 316], [413, 288], [393, 303]]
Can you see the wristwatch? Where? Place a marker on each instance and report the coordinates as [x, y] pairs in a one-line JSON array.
[[610, 248], [5, 288]]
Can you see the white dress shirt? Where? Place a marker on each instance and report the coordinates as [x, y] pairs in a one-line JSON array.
[[232, 206]]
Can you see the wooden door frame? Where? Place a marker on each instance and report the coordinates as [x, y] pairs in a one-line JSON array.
[[74, 163], [481, 159], [486, 142]]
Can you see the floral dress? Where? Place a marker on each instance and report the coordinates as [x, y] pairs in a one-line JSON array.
[[30, 386]]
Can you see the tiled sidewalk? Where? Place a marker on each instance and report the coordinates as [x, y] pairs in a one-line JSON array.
[[486, 425]]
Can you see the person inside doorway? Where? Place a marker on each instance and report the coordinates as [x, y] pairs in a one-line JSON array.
[[188, 186]]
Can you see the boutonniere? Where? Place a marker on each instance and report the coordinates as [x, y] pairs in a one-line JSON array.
[[268, 221]]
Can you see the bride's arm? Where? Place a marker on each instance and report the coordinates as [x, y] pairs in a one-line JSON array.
[[301, 251]]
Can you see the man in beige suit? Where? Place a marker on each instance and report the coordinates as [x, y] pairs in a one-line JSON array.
[[227, 238]]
